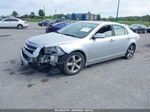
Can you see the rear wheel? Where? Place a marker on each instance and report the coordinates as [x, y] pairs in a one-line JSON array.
[[130, 52], [74, 63], [20, 26]]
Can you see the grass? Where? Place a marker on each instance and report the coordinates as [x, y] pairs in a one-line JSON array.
[[35, 19]]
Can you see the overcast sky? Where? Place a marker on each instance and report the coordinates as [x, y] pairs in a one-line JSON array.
[[105, 7]]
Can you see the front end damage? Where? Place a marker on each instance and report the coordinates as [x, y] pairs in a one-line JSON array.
[[35, 56], [51, 56]]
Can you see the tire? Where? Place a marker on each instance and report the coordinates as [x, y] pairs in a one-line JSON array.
[[20, 26], [136, 31], [130, 52], [74, 63]]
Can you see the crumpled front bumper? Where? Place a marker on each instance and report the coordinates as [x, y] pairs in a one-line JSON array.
[[27, 59]]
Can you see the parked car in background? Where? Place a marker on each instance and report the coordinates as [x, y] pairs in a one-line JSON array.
[[80, 44], [148, 29], [126, 25], [60, 19], [13, 23], [57, 26], [45, 22], [50, 22], [138, 28]]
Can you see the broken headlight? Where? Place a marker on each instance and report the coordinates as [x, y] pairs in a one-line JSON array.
[[52, 53]]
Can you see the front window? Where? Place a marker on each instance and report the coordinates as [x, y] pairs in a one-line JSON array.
[[106, 30], [78, 29]]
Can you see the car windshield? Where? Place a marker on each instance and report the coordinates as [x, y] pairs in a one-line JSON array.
[[143, 26], [78, 29]]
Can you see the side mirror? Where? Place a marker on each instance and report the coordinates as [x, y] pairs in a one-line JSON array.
[[99, 35]]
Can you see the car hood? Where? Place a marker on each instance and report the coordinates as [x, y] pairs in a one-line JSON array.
[[52, 39]]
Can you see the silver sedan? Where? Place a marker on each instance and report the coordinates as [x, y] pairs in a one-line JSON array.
[[80, 44]]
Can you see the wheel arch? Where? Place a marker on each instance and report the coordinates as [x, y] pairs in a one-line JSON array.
[[20, 24], [133, 43], [83, 53]]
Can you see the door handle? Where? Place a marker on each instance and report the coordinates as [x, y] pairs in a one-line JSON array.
[[111, 40]]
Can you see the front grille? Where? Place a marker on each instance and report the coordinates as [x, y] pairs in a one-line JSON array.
[[30, 48], [25, 56], [30, 51]]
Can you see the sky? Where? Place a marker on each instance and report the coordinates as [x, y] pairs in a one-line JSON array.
[[104, 7]]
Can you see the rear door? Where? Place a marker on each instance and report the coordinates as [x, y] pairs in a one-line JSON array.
[[120, 39], [14, 22]]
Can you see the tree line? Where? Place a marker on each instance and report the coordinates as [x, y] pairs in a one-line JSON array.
[[41, 14]]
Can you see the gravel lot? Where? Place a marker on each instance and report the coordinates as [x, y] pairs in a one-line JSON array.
[[119, 83]]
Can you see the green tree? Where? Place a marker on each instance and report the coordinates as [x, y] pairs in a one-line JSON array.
[[32, 15], [14, 14], [41, 13]]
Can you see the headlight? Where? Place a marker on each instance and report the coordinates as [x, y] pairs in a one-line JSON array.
[[54, 51]]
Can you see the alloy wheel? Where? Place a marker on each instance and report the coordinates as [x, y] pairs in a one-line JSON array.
[[74, 63], [130, 52]]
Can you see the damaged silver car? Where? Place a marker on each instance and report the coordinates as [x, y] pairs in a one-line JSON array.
[[80, 44]]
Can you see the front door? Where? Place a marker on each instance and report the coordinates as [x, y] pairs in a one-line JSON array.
[[102, 48]]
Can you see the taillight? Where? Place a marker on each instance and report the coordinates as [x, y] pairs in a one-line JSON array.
[[26, 22]]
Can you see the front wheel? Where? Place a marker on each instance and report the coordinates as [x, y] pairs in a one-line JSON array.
[[130, 52], [74, 63]]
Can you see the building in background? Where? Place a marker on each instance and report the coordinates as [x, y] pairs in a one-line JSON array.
[[82, 16]]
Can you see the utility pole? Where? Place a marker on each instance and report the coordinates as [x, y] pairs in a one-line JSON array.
[[117, 10], [44, 6]]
